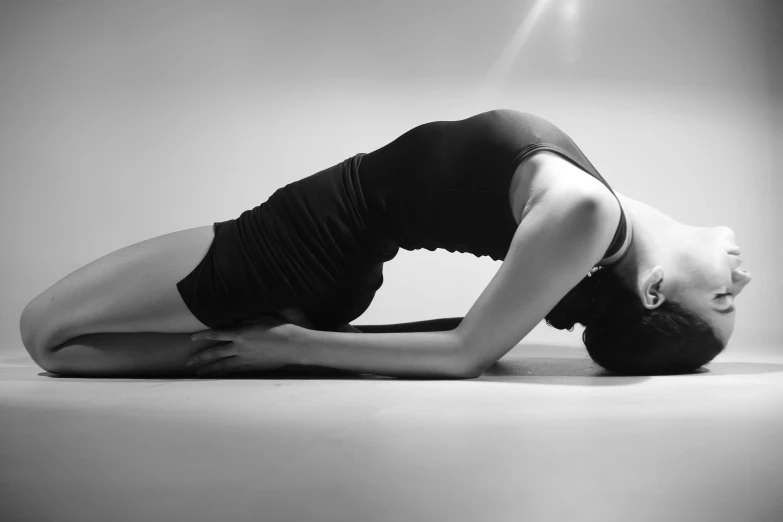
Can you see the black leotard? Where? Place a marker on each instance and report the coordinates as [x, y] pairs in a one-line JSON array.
[[319, 243], [445, 184]]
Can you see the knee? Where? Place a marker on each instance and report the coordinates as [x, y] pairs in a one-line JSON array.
[[49, 361], [36, 335], [27, 329]]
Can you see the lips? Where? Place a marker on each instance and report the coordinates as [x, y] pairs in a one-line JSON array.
[[735, 261]]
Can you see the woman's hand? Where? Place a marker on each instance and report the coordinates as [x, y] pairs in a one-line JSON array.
[[262, 344]]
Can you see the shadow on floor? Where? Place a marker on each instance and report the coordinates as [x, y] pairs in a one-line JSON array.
[[586, 373], [569, 367]]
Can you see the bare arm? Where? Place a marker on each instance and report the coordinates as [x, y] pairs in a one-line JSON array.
[[557, 243], [432, 355], [425, 349]]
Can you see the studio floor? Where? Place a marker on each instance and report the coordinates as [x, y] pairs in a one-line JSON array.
[[543, 435]]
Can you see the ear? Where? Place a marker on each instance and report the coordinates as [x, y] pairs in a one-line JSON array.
[[652, 297]]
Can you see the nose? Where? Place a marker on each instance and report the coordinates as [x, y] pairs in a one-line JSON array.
[[729, 232], [741, 278]]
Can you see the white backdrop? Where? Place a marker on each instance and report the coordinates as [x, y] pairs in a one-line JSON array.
[[121, 121]]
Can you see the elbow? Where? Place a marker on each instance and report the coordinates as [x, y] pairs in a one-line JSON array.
[[465, 364], [469, 367], [471, 374], [457, 362], [472, 369]]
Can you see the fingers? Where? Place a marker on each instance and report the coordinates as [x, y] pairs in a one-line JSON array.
[[222, 367], [209, 355], [214, 335]]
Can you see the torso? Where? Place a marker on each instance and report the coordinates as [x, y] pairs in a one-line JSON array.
[[544, 171]]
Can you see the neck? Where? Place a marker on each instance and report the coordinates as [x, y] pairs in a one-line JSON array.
[[652, 231]]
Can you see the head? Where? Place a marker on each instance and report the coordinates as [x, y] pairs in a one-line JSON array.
[[659, 311]]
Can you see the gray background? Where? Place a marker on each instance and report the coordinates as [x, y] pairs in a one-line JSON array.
[[121, 121]]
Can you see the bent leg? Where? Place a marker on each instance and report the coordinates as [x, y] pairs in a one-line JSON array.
[[128, 291], [140, 355]]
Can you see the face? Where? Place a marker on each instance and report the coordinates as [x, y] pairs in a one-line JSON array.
[[704, 277]]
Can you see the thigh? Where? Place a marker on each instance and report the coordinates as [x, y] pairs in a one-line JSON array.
[[132, 289]]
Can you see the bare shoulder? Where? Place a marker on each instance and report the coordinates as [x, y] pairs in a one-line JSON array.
[[547, 176], [556, 173]]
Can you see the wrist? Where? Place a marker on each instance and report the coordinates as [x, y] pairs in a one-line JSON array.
[[300, 342], [303, 341]]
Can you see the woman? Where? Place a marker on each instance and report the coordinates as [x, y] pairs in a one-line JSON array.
[[280, 284]]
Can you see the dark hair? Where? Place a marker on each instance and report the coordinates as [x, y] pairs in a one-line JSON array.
[[623, 336]]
